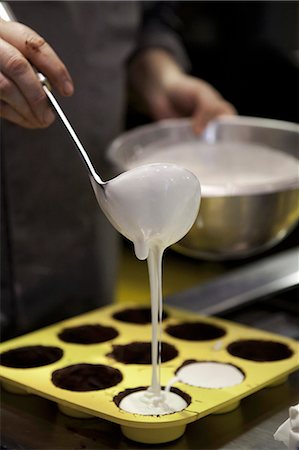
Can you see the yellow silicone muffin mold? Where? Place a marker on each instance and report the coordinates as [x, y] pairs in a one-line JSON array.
[[146, 429]]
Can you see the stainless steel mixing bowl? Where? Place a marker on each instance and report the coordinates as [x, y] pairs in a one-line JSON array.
[[230, 226]]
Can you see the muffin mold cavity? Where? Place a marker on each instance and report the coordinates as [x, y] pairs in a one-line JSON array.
[[88, 334], [210, 374], [140, 353], [260, 350], [143, 402], [30, 356], [86, 377], [93, 361], [195, 331], [121, 395], [136, 315]]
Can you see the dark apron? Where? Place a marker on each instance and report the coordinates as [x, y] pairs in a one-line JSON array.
[[64, 251]]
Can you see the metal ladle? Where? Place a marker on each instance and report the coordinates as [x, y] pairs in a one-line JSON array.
[[111, 200], [96, 181], [82, 152]]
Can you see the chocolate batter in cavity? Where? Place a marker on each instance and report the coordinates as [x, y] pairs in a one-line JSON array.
[[195, 331], [88, 334], [136, 315], [86, 377], [140, 353], [30, 356], [259, 350]]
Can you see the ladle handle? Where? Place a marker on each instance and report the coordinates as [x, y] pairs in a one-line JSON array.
[[7, 14], [71, 131]]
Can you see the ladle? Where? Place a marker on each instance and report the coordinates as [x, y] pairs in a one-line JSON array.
[[128, 200]]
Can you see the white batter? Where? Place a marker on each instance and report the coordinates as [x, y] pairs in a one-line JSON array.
[[144, 403], [207, 374], [154, 206], [226, 168]]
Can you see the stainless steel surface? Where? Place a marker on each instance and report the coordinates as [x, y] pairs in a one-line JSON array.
[[228, 226], [239, 287], [7, 14]]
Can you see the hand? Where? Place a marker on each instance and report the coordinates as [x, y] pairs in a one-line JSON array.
[[166, 92], [22, 98], [187, 96]]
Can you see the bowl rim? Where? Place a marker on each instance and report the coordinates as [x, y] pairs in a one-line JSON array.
[[260, 122], [208, 135]]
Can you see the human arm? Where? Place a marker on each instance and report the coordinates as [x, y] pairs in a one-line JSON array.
[[22, 99], [165, 91], [158, 71]]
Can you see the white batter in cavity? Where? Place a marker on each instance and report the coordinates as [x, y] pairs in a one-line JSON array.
[[209, 375], [154, 206], [146, 404]]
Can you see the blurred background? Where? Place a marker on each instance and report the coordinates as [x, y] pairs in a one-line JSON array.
[[248, 50]]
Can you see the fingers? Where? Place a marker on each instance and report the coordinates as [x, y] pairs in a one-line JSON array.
[[9, 93], [161, 108], [7, 112], [195, 98], [21, 89], [209, 104], [39, 53], [22, 97], [203, 115]]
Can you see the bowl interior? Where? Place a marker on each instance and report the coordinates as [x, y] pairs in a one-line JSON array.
[[233, 156]]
